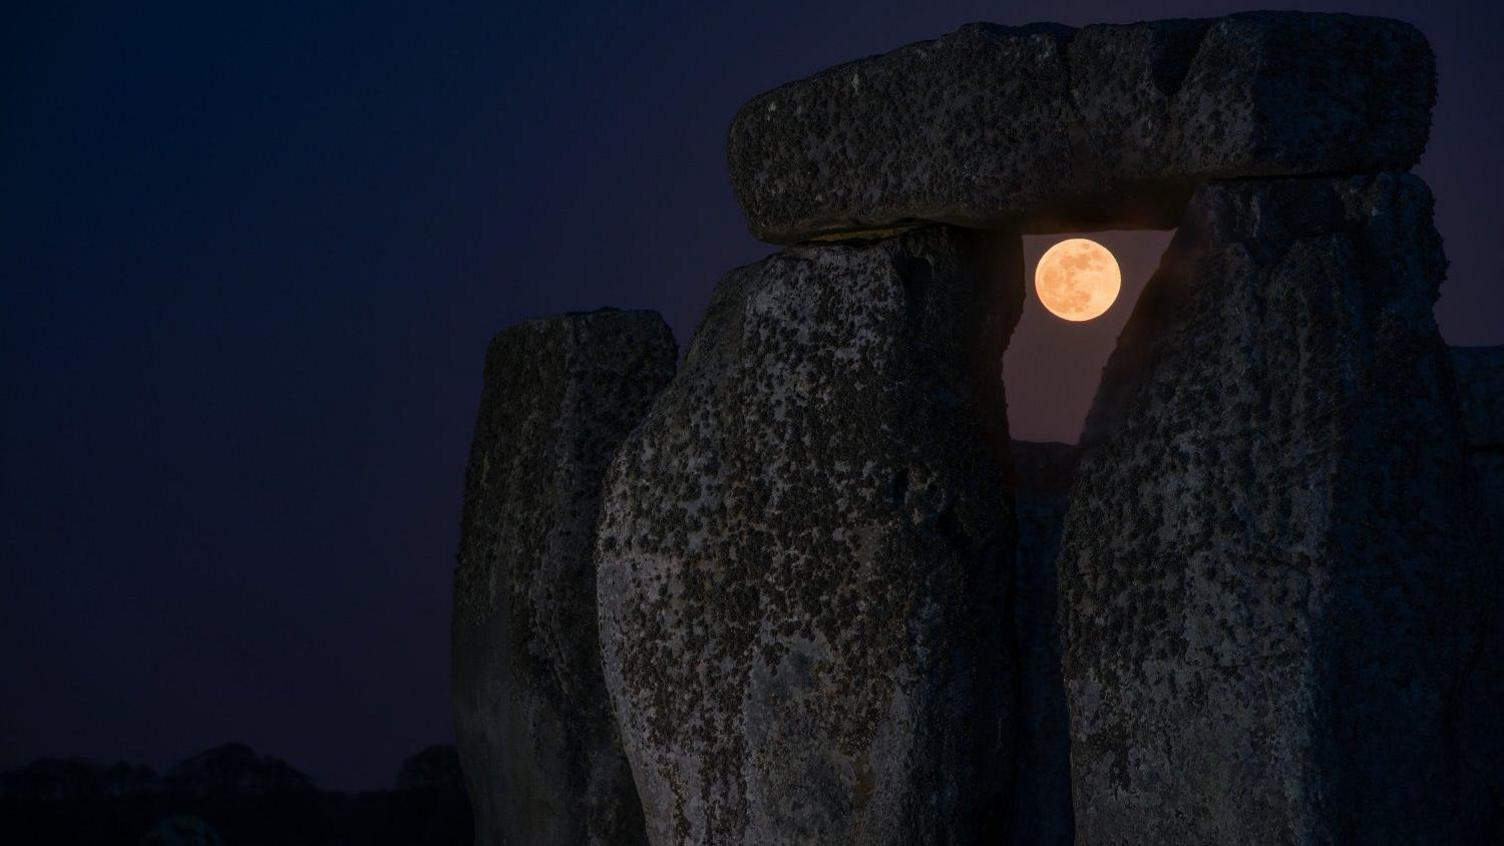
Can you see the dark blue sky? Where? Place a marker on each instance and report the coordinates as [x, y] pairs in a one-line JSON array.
[[249, 263]]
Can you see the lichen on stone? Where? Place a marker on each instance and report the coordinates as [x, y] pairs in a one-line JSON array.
[[539, 747], [805, 552]]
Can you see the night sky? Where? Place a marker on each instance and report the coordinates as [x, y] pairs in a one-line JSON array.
[[249, 264]]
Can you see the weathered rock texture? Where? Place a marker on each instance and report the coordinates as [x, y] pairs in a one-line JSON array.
[[1050, 128], [1480, 379], [1042, 474], [804, 553], [539, 747], [1269, 565]]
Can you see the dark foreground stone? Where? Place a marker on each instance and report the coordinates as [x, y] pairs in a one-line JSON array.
[[1042, 474], [1271, 564], [804, 555], [534, 728], [1480, 380], [1051, 128]]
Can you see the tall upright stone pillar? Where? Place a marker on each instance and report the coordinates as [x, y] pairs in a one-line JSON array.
[[542, 760], [804, 555], [1270, 563]]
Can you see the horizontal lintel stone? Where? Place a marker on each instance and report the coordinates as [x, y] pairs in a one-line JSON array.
[[1050, 128]]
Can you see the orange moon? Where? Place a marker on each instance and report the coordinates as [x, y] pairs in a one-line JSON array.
[[1077, 279]]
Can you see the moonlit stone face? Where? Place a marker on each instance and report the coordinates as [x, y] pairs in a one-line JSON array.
[[1077, 279]]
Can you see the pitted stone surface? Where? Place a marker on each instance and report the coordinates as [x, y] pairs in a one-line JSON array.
[[1042, 474], [1271, 562], [1050, 128], [540, 751], [804, 553]]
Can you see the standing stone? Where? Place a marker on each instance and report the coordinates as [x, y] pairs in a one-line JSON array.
[[542, 760], [804, 553], [1046, 127], [1042, 474], [1269, 567], [1480, 380]]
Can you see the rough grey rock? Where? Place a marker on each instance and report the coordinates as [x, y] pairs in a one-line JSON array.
[[1271, 561], [804, 553], [1050, 128], [536, 739], [1042, 474], [1480, 380]]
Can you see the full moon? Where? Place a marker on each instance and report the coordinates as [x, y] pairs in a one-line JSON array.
[[1077, 279]]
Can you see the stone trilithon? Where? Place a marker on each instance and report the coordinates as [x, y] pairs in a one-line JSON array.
[[796, 608]]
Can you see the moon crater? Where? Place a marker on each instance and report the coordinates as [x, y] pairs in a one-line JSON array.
[[1077, 279]]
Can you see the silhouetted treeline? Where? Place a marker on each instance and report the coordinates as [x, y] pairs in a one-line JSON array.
[[229, 795]]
